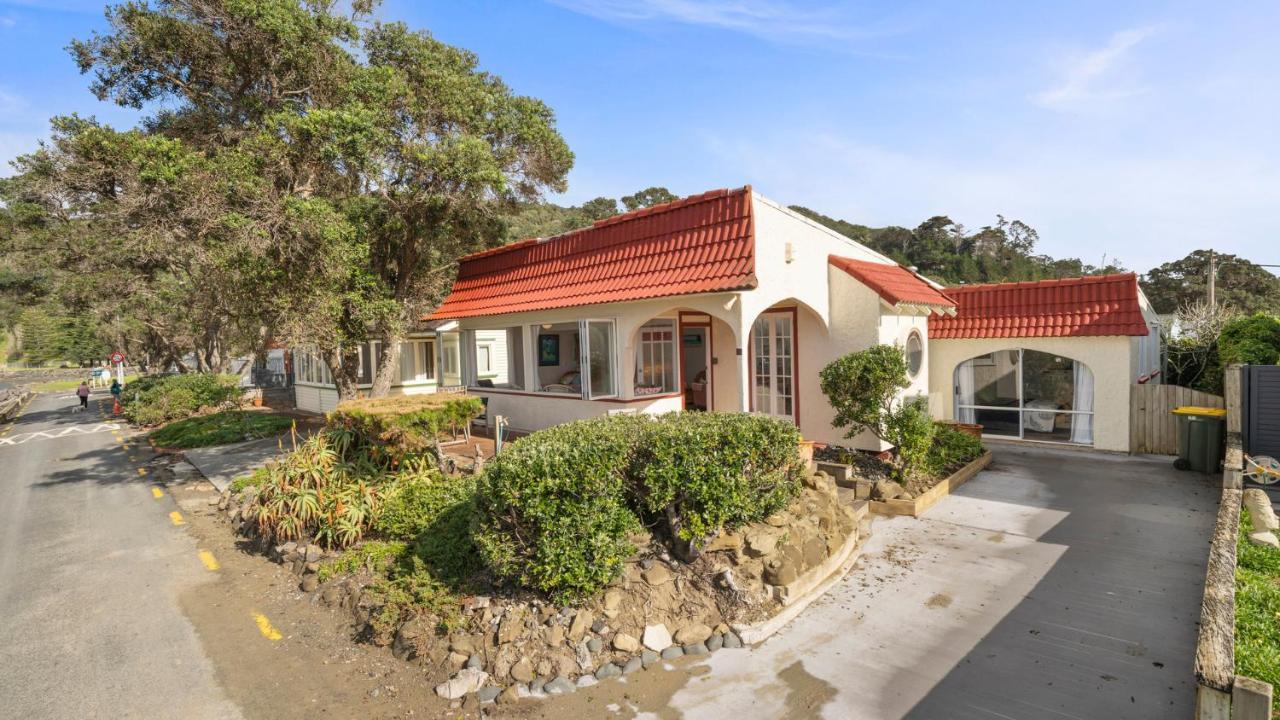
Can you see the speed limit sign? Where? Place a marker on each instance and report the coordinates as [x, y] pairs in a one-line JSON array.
[[117, 358]]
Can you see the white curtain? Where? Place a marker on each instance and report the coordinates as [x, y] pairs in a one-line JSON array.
[[1082, 402], [964, 392]]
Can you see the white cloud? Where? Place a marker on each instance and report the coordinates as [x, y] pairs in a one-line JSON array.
[[769, 19], [1085, 77], [7, 22]]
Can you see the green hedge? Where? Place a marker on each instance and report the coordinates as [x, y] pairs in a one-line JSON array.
[[1253, 339], [705, 471], [434, 515], [162, 398], [553, 506], [556, 508]]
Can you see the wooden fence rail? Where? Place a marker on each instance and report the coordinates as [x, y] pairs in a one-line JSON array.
[[1152, 426]]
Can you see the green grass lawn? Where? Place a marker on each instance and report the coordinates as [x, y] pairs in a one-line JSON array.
[[1257, 609], [221, 428], [68, 385]]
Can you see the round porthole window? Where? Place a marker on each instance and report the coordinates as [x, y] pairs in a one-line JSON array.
[[915, 353]]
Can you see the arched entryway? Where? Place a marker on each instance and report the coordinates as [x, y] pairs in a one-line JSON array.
[[1026, 394]]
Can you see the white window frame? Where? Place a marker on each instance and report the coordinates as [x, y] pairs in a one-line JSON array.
[[584, 358], [1021, 409], [647, 349]]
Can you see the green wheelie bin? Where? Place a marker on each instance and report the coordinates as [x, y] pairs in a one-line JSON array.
[[1200, 436]]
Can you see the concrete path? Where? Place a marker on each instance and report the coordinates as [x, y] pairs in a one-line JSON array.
[[1056, 585], [223, 463], [91, 566]]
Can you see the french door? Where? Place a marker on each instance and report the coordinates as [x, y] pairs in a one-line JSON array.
[[773, 365]]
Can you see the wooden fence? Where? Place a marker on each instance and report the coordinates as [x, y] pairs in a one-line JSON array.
[[1152, 426]]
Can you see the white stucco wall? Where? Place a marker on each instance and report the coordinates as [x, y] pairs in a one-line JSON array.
[[526, 412], [835, 315], [1110, 358]]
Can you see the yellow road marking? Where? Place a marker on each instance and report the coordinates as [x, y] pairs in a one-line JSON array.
[[264, 626], [209, 560], [157, 492], [142, 471], [176, 518]]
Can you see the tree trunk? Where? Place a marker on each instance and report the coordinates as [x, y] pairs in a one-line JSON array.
[[343, 365], [386, 365]]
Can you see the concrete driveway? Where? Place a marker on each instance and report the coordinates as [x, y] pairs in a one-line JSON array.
[[1056, 584]]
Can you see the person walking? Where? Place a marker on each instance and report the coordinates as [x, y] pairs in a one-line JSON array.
[[82, 392], [115, 389]]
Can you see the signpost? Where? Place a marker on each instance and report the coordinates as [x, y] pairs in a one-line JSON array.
[[117, 359]]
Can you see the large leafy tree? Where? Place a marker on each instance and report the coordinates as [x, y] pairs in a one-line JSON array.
[[1240, 284], [374, 155]]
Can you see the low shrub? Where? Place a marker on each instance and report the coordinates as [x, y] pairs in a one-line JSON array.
[[311, 493], [553, 511], [228, 426], [704, 471], [386, 431], [377, 556], [434, 515], [910, 430], [950, 450], [158, 399]]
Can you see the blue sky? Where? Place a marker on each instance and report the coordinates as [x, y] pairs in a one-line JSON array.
[[1137, 130]]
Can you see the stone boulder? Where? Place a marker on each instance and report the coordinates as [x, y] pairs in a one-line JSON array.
[[467, 681], [1264, 537], [1260, 510], [657, 638], [690, 634], [886, 490]]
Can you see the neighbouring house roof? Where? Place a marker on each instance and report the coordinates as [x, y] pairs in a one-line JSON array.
[[1072, 307], [702, 243], [895, 284]]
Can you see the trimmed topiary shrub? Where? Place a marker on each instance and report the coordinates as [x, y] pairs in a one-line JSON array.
[[863, 388], [553, 512], [704, 471], [162, 398]]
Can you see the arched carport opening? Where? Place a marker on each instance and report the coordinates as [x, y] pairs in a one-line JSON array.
[[1026, 394]]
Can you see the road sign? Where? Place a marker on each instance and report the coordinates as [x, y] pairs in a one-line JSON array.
[[117, 358]]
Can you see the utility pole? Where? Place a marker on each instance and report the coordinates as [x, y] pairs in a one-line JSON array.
[[1213, 279]]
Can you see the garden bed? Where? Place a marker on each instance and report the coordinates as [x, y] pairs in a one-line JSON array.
[[583, 552], [918, 504]]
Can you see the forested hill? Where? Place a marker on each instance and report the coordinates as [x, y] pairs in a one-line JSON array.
[[952, 254]]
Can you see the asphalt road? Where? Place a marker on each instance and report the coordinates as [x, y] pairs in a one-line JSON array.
[[91, 566]]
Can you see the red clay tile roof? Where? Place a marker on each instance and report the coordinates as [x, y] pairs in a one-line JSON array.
[[1073, 307], [702, 243], [894, 283]]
